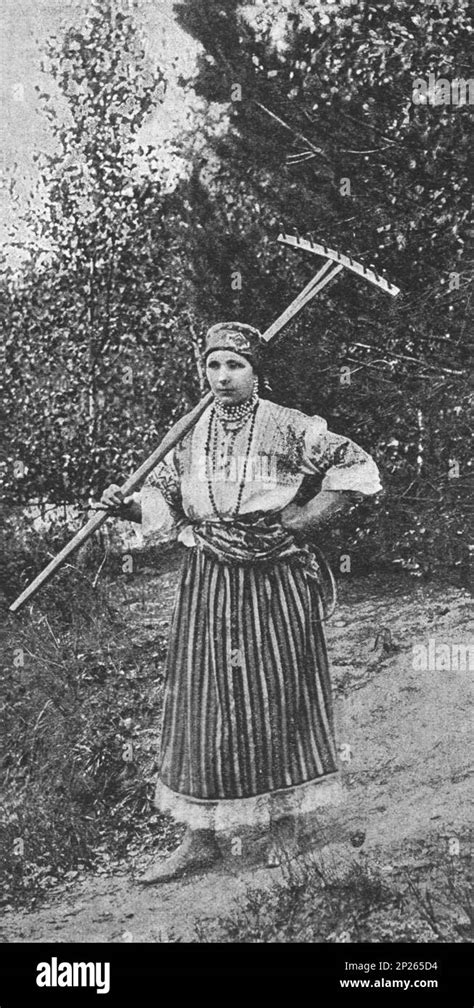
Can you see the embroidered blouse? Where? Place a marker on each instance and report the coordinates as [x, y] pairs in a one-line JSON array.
[[286, 447]]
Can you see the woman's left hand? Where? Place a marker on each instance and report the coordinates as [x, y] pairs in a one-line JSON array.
[[294, 519]]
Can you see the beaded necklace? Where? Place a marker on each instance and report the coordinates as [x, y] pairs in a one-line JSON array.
[[235, 416], [212, 452]]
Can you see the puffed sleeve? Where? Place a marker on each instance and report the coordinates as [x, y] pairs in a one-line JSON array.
[[340, 461], [161, 503]]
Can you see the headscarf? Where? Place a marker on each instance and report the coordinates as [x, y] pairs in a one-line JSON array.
[[235, 336]]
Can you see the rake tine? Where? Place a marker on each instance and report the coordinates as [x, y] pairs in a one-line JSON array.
[[345, 260]]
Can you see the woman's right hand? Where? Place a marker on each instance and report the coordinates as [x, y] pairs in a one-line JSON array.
[[126, 508], [112, 498], [113, 501]]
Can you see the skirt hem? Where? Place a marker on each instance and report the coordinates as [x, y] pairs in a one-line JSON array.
[[227, 814]]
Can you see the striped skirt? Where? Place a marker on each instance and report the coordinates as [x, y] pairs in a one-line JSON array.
[[247, 705]]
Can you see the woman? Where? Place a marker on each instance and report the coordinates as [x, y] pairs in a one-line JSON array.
[[247, 735]]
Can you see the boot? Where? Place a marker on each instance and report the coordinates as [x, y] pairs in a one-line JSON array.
[[199, 849]]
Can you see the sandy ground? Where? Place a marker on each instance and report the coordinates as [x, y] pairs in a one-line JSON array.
[[406, 745]]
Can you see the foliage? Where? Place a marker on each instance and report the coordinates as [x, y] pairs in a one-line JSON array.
[[94, 360]]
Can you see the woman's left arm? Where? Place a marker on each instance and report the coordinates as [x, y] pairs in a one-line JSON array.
[[348, 474], [316, 512]]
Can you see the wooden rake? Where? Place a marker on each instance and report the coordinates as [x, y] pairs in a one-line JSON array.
[[334, 264]]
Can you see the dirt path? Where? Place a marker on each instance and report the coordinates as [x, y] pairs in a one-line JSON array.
[[405, 737]]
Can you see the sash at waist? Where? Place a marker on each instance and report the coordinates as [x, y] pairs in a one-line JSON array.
[[244, 540], [259, 538]]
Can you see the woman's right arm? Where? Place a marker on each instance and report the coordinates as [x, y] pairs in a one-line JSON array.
[[127, 508], [158, 505]]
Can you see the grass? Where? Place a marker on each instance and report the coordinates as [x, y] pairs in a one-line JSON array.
[[323, 902], [81, 705]]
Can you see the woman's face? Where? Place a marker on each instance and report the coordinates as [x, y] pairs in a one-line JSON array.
[[230, 376]]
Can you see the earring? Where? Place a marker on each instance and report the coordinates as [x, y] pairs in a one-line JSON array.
[[255, 385]]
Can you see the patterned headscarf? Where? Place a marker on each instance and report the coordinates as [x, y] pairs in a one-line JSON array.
[[236, 336]]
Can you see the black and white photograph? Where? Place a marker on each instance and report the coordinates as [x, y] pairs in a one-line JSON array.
[[237, 552]]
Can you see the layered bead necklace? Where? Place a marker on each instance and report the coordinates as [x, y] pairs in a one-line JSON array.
[[233, 419]]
